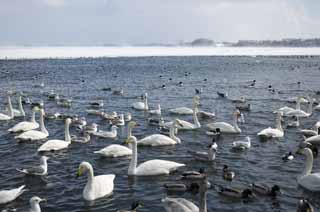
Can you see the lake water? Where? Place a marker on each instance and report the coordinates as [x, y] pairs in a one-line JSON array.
[[83, 79]]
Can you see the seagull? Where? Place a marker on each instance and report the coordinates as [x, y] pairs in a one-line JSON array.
[[40, 170]]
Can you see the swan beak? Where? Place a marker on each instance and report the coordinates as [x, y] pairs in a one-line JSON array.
[[79, 173], [127, 141]]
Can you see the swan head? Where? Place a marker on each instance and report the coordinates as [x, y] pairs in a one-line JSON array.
[[68, 121], [83, 168], [131, 140], [36, 200], [304, 205], [133, 124], [196, 100]]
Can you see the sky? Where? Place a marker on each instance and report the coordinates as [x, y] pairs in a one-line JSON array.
[[128, 22]]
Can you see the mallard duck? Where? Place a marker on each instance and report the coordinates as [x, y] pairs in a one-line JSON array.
[[264, 189], [227, 173], [96, 104], [118, 92], [235, 193]]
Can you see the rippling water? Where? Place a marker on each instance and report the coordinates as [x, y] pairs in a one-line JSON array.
[[83, 79]]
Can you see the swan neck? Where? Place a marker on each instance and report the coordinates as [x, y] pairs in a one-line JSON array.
[[195, 117], [235, 123], [203, 198], [11, 114], [42, 127], [21, 107], [278, 124], [310, 107], [67, 136], [172, 133], [211, 154], [134, 158], [90, 175], [33, 117], [309, 163], [146, 107], [298, 105]]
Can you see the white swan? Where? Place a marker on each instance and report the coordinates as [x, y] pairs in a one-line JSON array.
[[114, 150], [184, 125], [156, 111], [33, 135], [7, 196], [301, 113], [107, 134], [35, 204], [162, 140], [226, 127], [142, 105], [55, 145], [273, 132], [20, 112], [97, 186], [5, 117], [26, 125], [185, 110], [242, 144], [315, 140], [306, 179], [151, 167], [287, 109]]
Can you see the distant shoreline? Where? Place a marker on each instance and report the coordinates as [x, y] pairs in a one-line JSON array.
[[71, 52]]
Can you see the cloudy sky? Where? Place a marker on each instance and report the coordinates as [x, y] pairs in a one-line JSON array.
[[94, 22]]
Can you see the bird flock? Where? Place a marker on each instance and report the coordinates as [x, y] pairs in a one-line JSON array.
[[102, 186]]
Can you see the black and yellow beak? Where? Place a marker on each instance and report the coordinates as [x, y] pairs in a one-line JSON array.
[[79, 173]]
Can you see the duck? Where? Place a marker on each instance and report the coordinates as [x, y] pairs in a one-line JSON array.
[[151, 167], [107, 134], [118, 92], [184, 205], [235, 193], [210, 155], [7, 196], [185, 110], [33, 135], [242, 145], [96, 104], [20, 112], [40, 170], [26, 125], [288, 156], [142, 105], [162, 140], [134, 207], [97, 186], [308, 180], [242, 99], [110, 116], [226, 127], [156, 121], [156, 111], [55, 144], [244, 106], [304, 206], [214, 132], [222, 94], [301, 113], [52, 95], [6, 117], [264, 189], [227, 173], [35, 204], [64, 102], [273, 132], [118, 121]]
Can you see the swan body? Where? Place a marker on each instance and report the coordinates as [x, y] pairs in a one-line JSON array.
[[55, 145], [308, 180], [151, 167], [114, 151], [5, 117], [162, 140], [315, 140], [7, 196], [273, 132], [181, 111], [156, 111], [179, 205], [226, 127], [142, 105], [25, 125], [107, 134], [97, 186], [242, 144], [301, 113], [206, 115], [35, 134]]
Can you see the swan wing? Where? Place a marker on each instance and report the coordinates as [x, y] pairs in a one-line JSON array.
[[310, 182], [102, 185], [298, 113], [4, 117], [10, 195], [138, 105], [53, 145], [271, 132], [157, 167], [157, 140], [179, 205], [32, 135], [223, 126], [181, 111], [114, 150], [24, 126]]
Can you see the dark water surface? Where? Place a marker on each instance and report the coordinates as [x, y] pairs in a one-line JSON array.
[[83, 79]]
